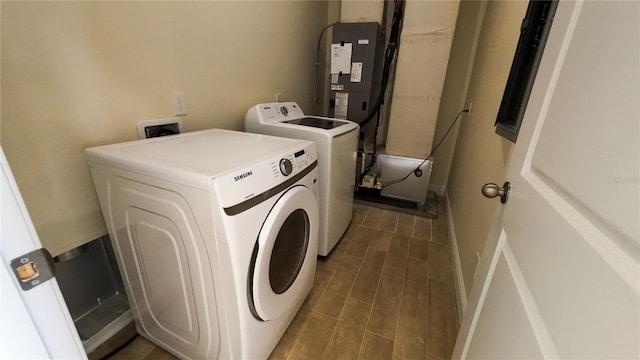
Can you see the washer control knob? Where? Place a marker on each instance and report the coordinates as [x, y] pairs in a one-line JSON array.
[[284, 110], [286, 167]]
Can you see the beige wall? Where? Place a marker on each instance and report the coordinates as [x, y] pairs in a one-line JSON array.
[[454, 94], [79, 74], [481, 156], [362, 11], [425, 45]]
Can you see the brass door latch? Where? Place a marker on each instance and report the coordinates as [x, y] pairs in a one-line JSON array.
[[33, 268]]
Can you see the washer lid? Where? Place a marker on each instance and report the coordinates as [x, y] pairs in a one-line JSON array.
[[290, 115], [194, 158], [317, 122]]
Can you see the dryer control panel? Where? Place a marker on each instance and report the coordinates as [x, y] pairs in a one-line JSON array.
[[286, 167], [292, 163], [266, 178]]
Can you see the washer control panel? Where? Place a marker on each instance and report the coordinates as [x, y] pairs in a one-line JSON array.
[[277, 112]]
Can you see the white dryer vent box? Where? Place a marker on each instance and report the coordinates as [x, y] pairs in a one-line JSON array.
[[159, 127]]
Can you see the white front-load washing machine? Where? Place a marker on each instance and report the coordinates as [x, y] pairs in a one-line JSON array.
[[337, 144], [215, 233]]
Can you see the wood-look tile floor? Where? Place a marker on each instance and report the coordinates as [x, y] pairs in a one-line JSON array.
[[385, 292]]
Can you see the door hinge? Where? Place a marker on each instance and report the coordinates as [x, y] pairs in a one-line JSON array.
[[33, 268]]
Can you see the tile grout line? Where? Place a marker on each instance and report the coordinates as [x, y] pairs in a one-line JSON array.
[[373, 302], [304, 327], [320, 296], [369, 227], [378, 222], [348, 294], [397, 224], [395, 228], [335, 328], [351, 289], [382, 336], [427, 340], [404, 283], [143, 356], [413, 225]]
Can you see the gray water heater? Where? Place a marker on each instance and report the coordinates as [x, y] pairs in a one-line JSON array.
[[356, 60]]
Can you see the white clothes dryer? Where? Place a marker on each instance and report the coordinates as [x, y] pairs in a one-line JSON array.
[[337, 144], [215, 234]]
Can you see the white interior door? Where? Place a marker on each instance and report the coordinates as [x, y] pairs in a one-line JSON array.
[[560, 270], [34, 324]]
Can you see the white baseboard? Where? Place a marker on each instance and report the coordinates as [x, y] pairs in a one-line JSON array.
[[440, 190], [458, 280]]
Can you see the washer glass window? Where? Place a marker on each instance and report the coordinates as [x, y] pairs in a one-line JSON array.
[[289, 251], [316, 122]]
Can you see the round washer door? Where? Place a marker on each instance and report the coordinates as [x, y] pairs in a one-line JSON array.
[[284, 263]]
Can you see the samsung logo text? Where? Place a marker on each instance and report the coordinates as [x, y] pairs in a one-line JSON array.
[[243, 175]]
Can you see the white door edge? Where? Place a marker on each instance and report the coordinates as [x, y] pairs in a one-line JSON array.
[[487, 266], [535, 317], [46, 320]]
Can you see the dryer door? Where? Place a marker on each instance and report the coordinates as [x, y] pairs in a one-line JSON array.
[[284, 258]]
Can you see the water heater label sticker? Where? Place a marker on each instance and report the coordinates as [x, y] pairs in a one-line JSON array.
[[342, 102], [341, 58], [337, 87], [334, 78], [363, 42], [356, 72]]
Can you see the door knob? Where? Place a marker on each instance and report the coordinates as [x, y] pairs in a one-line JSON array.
[[492, 190]]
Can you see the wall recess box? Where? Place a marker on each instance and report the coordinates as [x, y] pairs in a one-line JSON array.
[[159, 127]]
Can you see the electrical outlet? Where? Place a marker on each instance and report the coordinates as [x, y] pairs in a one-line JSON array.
[[278, 97], [179, 103], [469, 109]]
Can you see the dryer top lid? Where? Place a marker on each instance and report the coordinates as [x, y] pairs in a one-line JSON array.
[[194, 157]]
